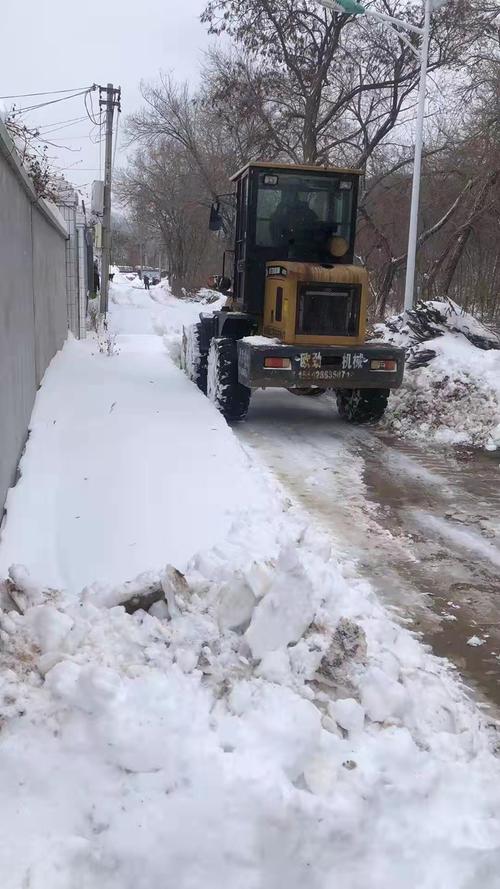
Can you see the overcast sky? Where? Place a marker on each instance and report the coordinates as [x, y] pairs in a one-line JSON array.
[[56, 45]]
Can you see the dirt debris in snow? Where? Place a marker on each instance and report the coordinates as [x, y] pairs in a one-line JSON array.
[[348, 645]]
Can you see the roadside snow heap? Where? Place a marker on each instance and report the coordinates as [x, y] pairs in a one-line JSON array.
[[451, 390], [263, 725]]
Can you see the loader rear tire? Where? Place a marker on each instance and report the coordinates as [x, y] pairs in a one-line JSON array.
[[193, 358], [362, 405], [223, 389]]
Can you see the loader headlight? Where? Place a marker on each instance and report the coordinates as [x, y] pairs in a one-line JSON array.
[[338, 246]]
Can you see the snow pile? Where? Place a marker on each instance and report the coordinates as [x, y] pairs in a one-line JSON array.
[[451, 389], [179, 313], [267, 725], [257, 340], [207, 296]]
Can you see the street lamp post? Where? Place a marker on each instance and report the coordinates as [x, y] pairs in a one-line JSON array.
[[354, 8], [417, 163]]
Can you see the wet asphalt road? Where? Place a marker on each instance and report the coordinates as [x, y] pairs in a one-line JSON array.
[[422, 523]]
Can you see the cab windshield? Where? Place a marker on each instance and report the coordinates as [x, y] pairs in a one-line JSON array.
[[308, 218]]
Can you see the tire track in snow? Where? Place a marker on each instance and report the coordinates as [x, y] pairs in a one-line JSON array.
[[423, 525]]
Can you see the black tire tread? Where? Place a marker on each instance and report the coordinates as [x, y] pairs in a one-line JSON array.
[[362, 405], [195, 370], [232, 398]]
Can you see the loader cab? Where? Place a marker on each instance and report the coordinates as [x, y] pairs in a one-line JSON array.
[[290, 214]]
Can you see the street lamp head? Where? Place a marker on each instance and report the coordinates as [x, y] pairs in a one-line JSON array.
[[346, 6]]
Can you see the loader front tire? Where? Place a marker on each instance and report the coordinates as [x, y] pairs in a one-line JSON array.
[[223, 389], [362, 405], [193, 358]]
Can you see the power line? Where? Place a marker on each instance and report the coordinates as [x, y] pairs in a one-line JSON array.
[[52, 102], [61, 123], [91, 116], [81, 136], [47, 93], [60, 147], [48, 129], [92, 107]]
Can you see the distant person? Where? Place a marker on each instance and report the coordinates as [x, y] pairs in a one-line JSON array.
[[111, 276], [97, 281], [145, 278]]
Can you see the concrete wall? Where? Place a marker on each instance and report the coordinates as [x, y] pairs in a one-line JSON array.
[[77, 283], [49, 285], [33, 314]]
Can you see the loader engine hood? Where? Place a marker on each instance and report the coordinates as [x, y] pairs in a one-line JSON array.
[[315, 303]]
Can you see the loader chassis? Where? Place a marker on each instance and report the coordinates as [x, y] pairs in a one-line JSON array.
[[331, 367]]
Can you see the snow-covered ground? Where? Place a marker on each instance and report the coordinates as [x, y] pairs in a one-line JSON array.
[[267, 724], [122, 469], [455, 399]]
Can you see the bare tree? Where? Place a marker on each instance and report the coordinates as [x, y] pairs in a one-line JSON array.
[[163, 189], [303, 84], [460, 209], [335, 88]]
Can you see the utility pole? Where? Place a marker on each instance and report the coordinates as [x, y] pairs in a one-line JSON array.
[[111, 101]]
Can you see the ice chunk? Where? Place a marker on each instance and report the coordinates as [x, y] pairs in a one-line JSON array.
[[475, 641], [49, 626], [281, 617], [274, 725], [235, 605], [275, 666], [348, 714], [382, 697]]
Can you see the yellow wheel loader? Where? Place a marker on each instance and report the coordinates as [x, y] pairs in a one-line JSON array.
[[296, 312]]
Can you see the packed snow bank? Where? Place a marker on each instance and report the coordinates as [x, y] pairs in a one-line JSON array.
[[451, 388], [179, 313], [267, 726], [127, 464]]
